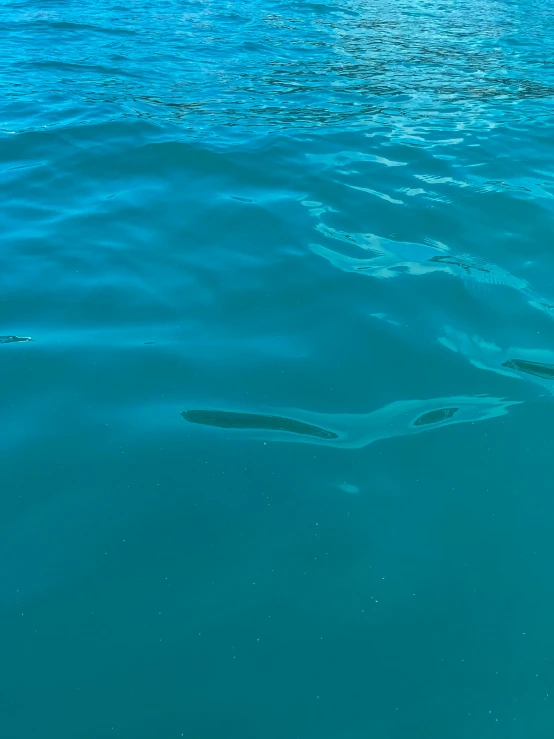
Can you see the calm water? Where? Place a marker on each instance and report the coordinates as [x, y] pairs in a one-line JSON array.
[[278, 461]]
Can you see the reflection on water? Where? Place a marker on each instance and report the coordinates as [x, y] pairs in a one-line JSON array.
[[346, 65], [536, 365], [231, 420], [539, 369], [458, 262], [355, 431], [14, 339], [434, 417], [385, 259]]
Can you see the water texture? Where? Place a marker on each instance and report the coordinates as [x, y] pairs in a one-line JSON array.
[[277, 365]]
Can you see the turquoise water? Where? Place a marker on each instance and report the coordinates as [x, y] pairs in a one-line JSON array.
[[277, 462]]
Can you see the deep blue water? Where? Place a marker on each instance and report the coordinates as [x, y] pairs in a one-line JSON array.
[[278, 462]]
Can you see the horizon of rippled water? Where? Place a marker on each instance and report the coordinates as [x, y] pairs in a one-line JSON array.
[[277, 360]]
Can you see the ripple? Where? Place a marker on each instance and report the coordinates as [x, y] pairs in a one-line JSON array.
[[352, 65], [534, 365], [407, 259], [355, 431]]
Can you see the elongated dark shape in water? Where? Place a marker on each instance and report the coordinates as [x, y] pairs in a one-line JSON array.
[[531, 368], [14, 339], [459, 263], [232, 420], [441, 414]]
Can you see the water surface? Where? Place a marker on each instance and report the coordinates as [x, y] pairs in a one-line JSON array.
[[277, 461]]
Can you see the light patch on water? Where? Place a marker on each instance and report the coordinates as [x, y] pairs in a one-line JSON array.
[[317, 209], [349, 488], [396, 258], [384, 317], [377, 194], [345, 157], [531, 365]]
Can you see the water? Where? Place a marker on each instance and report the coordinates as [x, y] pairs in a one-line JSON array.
[[278, 460]]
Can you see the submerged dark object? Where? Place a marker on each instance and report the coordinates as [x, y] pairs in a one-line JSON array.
[[457, 262], [14, 339], [438, 416], [539, 369], [232, 420]]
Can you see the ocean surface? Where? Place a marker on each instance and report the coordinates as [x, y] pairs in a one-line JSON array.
[[276, 369]]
